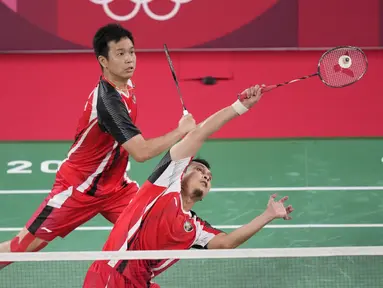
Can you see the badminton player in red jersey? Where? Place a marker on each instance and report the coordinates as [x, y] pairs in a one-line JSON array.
[[160, 216], [92, 179]]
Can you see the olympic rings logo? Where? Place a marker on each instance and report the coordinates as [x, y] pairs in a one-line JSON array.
[[139, 3]]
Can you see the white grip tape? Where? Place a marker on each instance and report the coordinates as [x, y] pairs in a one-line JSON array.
[[239, 107]]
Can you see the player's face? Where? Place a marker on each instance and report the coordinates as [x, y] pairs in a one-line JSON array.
[[198, 180], [121, 60]]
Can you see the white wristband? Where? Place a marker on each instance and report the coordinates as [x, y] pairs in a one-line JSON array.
[[239, 107]]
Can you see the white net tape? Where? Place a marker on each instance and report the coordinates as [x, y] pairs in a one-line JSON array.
[[284, 267], [195, 254]]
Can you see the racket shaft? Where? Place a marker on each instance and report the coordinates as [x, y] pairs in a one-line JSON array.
[[271, 87], [185, 112]]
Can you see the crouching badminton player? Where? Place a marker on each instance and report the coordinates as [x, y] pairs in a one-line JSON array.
[[160, 216]]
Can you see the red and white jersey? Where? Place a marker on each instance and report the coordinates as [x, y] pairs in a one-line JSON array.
[[156, 220], [96, 162]]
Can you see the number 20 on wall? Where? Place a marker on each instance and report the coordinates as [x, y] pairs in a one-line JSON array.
[[26, 167]]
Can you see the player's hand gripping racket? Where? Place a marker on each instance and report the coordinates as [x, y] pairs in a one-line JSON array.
[[175, 78], [338, 67]]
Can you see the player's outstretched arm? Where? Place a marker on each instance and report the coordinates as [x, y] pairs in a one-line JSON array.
[[274, 210], [193, 140], [114, 118], [143, 149]]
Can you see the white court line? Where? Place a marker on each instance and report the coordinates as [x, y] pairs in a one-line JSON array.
[[241, 189], [308, 188], [300, 226], [292, 226], [9, 192]]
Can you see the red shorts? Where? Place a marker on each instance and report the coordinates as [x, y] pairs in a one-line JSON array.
[[65, 208], [101, 275]]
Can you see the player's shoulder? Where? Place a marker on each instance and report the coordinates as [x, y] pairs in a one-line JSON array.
[[160, 168], [168, 170], [105, 89]]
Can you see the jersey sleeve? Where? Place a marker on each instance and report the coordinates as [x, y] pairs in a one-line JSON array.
[[168, 173], [113, 115], [205, 232]]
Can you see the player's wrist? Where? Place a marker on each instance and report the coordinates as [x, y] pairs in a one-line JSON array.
[[180, 132], [267, 216], [239, 108]]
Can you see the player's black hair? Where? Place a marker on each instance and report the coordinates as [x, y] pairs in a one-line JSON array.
[[109, 33], [202, 161]]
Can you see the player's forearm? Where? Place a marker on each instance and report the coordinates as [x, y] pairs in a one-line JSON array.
[[242, 234], [213, 123], [142, 149], [156, 146], [194, 139]]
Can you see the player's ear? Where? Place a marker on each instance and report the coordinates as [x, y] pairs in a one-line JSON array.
[[103, 61]]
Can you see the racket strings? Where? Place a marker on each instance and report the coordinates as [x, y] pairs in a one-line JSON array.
[[342, 66]]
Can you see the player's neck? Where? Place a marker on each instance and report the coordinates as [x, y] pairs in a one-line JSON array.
[[187, 203], [117, 82]]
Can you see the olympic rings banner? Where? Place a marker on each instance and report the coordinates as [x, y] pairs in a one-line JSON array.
[[32, 25]]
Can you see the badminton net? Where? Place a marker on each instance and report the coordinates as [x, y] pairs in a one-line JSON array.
[[284, 267]]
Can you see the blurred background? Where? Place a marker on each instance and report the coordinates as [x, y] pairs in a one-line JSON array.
[[319, 145]]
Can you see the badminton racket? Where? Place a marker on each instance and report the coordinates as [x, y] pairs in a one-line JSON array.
[[185, 111], [338, 67]]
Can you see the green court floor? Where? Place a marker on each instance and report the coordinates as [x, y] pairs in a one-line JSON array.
[[335, 185]]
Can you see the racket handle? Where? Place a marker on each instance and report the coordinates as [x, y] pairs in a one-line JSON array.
[[241, 96], [264, 89], [268, 88]]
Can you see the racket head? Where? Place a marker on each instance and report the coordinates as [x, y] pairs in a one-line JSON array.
[[342, 66]]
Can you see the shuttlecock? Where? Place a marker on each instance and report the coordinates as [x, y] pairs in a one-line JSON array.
[[345, 62]]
